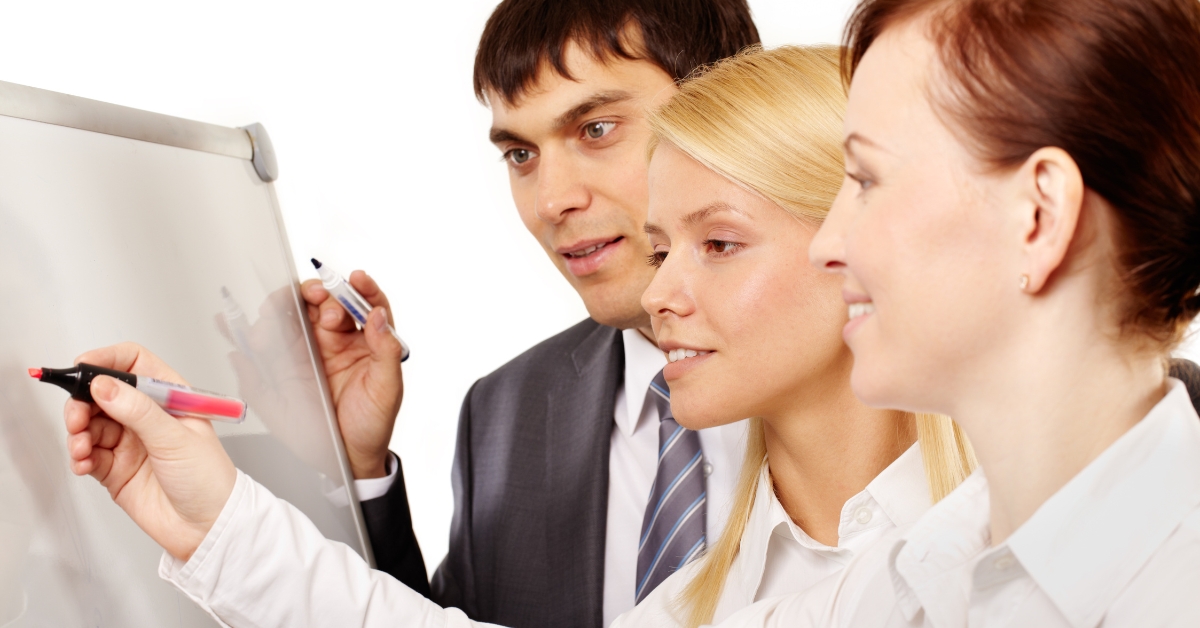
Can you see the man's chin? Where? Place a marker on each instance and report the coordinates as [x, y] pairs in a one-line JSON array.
[[614, 306]]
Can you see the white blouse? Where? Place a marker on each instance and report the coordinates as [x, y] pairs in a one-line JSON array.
[[1117, 546], [778, 558], [263, 563]]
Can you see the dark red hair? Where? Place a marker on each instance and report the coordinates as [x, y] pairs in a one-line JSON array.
[[1114, 83]]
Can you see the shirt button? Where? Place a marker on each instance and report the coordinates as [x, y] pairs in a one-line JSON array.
[[1004, 562], [863, 515], [708, 469]]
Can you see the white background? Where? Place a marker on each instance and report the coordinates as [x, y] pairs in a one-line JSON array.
[[384, 163]]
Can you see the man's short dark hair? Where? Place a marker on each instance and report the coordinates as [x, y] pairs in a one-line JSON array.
[[676, 35]]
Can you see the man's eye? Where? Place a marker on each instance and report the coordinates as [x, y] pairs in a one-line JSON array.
[[597, 130], [519, 155]]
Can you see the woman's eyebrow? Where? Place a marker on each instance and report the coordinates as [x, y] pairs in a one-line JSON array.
[[859, 138], [697, 217]]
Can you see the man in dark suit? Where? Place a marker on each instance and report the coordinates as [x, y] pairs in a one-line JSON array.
[[557, 449]]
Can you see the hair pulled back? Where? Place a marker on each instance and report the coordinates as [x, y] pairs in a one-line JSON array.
[[1114, 83]]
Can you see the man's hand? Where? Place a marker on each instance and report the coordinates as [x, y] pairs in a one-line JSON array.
[[170, 475], [363, 369]]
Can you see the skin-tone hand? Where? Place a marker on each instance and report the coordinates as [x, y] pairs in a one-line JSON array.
[[364, 372], [170, 475]]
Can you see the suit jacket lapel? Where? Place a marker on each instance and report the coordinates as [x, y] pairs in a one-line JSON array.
[[578, 431]]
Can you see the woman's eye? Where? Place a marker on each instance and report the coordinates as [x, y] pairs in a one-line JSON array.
[[597, 130], [863, 182], [656, 258], [720, 246], [519, 156]]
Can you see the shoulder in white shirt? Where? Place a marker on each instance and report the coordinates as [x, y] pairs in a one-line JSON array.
[[778, 558], [1118, 546]]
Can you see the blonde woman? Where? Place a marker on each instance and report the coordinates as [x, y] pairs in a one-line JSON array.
[[746, 165]]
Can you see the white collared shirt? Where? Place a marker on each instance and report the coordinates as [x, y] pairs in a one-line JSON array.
[[778, 558], [1118, 546], [632, 462]]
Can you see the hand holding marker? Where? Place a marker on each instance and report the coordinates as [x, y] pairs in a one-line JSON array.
[[352, 301], [177, 400]]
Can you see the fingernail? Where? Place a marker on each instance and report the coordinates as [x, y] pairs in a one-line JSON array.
[[381, 322], [329, 316], [104, 388]]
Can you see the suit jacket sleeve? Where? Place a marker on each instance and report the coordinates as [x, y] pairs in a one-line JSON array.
[[453, 584], [389, 525]]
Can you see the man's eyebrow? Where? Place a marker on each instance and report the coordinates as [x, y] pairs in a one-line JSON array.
[[504, 135], [697, 216], [587, 106]]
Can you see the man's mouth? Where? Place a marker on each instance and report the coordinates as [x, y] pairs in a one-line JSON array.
[[588, 257], [591, 248]]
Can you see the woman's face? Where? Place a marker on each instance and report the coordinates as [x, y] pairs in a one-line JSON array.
[[919, 235], [734, 290]]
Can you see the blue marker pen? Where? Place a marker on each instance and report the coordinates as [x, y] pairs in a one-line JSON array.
[[352, 301]]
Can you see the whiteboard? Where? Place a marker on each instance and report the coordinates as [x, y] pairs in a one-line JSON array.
[[174, 241]]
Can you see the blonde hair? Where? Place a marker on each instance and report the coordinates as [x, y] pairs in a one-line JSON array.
[[771, 121]]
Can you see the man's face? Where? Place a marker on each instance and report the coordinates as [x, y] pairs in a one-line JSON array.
[[577, 163]]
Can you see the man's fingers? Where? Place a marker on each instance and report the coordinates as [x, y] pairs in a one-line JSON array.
[[134, 410], [335, 318], [313, 292], [385, 349], [370, 291], [132, 358]]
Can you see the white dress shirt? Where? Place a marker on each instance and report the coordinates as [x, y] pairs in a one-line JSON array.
[[1117, 546], [632, 462], [778, 558], [264, 564]]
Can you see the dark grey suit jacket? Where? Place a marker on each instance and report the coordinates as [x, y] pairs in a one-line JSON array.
[[530, 490]]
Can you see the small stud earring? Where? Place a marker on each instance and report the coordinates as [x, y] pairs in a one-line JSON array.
[[1024, 281]]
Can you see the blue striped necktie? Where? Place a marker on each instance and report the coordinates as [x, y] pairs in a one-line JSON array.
[[673, 527]]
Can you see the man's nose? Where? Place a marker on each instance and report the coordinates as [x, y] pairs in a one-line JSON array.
[[561, 188]]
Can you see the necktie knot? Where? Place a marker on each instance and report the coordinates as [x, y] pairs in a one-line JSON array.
[[662, 396]]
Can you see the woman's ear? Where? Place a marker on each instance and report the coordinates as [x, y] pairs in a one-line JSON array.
[[1051, 193]]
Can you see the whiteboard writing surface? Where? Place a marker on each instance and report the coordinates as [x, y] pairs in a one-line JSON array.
[[105, 238]]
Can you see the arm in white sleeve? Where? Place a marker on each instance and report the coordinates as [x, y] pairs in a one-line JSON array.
[[265, 565], [372, 488]]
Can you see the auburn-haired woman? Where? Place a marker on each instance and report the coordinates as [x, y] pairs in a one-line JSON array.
[[746, 166], [1020, 226]]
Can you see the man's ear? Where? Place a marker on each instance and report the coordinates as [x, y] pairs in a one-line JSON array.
[[1051, 192]]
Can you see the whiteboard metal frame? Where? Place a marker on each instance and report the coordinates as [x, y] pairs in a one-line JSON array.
[[250, 143]]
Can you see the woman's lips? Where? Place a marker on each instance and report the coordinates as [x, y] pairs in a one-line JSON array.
[[859, 312], [581, 262], [679, 368]]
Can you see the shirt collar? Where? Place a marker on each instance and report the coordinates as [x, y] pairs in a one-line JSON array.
[[902, 489], [901, 492], [1088, 541], [1083, 546], [643, 360]]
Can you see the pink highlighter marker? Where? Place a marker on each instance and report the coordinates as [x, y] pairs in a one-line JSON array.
[[175, 399]]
